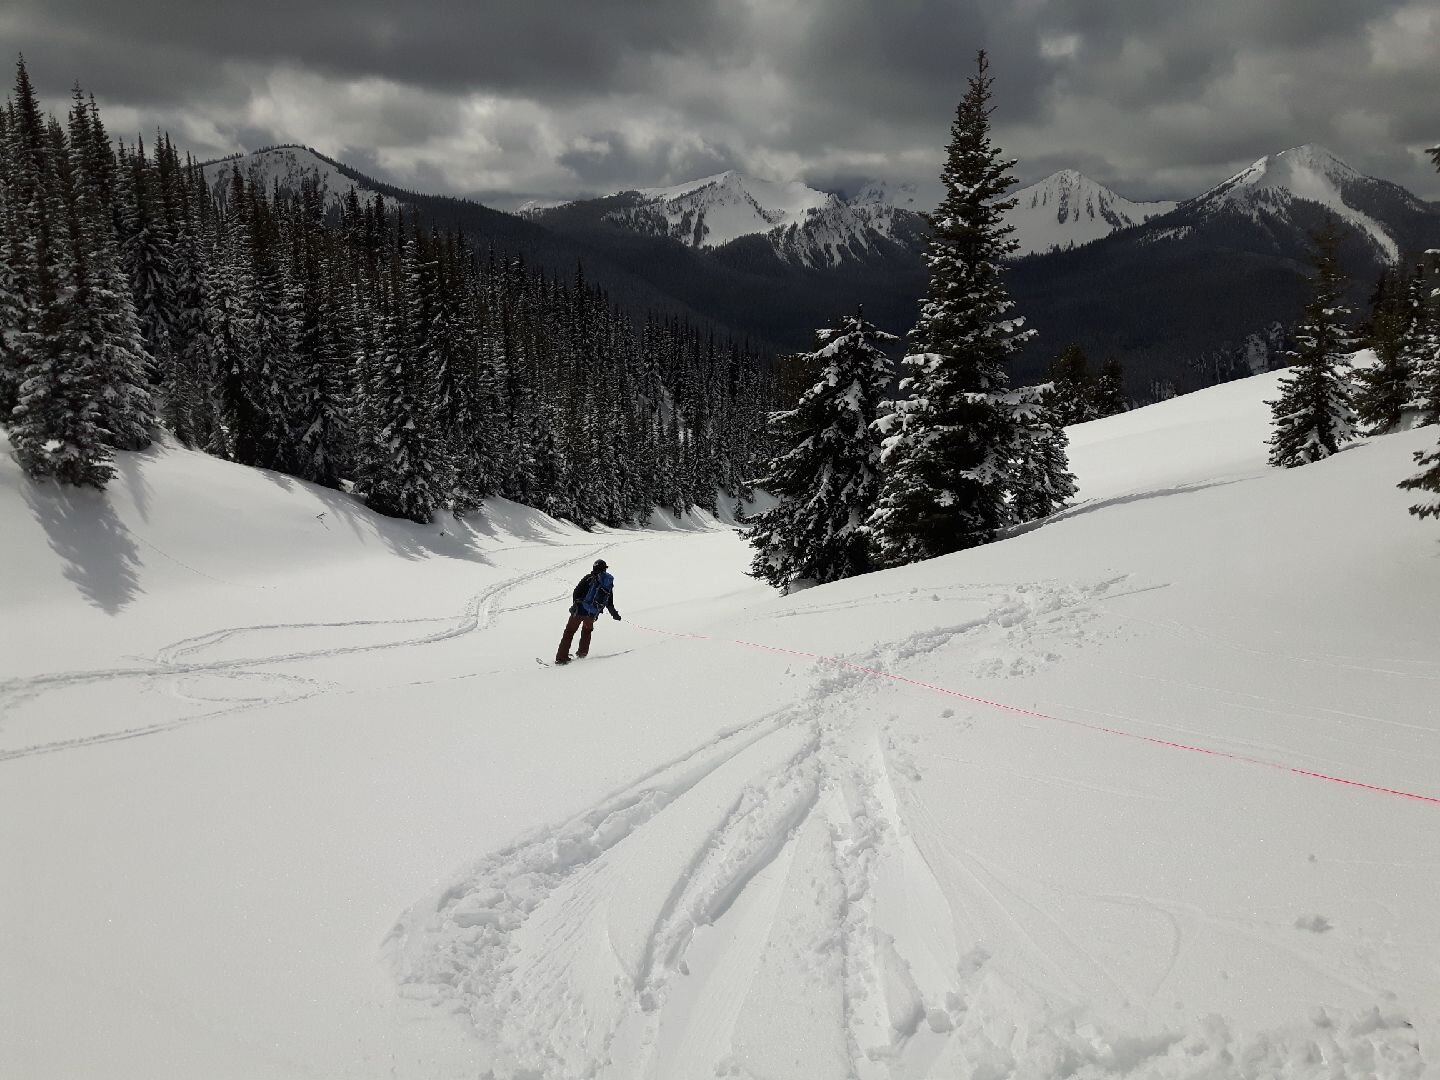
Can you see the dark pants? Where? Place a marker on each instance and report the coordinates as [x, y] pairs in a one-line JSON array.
[[584, 623]]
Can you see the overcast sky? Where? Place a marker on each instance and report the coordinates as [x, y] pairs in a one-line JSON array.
[[555, 98]]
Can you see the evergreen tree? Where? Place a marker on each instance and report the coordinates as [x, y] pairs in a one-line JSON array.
[[318, 405], [1421, 346], [405, 472], [1043, 481], [231, 331], [949, 444], [148, 257], [1428, 479], [1315, 413], [1110, 396], [189, 405], [127, 412], [1384, 390], [15, 314], [1072, 399], [827, 483], [57, 425]]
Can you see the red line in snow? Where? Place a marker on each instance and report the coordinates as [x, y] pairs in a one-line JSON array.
[[1101, 728]]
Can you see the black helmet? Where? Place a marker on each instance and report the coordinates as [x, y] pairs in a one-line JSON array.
[[600, 564]]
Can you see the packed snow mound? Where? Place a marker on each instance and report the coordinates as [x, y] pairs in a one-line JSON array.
[[1308, 173], [1067, 209]]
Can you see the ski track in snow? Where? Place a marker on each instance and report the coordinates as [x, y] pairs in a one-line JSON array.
[[781, 902], [175, 671]]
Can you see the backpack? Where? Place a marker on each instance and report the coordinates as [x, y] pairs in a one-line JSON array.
[[592, 595]]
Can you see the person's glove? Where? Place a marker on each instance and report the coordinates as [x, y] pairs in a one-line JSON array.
[[615, 615]]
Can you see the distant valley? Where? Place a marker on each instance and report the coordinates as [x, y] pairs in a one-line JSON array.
[[1182, 292]]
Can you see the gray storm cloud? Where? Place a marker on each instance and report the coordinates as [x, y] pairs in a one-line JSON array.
[[547, 98]]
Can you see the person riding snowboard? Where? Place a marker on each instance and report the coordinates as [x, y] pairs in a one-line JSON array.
[[594, 594]]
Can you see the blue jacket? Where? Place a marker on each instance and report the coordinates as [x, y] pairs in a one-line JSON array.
[[594, 594]]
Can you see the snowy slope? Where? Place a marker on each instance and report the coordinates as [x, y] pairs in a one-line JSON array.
[[1067, 209], [289, 167], [283, 791]]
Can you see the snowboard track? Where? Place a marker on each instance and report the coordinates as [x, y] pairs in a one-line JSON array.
[[583, 948], [172, 664]]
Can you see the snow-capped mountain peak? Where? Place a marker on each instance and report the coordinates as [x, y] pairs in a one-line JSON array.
[[715, 210], [805, 225], [1308, 173], [1309, 170], [1067, 209]]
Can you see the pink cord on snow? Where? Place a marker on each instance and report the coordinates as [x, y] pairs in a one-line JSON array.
[[1102, 729]]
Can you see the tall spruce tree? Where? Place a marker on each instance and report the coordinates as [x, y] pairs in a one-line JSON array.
[[14, 265], [1427, 480], [57, 425], [1314, 416], [127, 410], [405, 470], [827, 481], [1384, 390], [1043, 482], [148, 257], [949, 444], [1422, 345], [1072, 397], [1110, 396]]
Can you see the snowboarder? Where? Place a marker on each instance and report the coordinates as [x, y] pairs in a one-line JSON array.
[[594, 594]]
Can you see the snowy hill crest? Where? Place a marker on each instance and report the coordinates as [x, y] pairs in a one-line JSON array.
[[288, 167]]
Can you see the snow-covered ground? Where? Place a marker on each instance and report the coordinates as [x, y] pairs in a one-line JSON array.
[[284, 793]]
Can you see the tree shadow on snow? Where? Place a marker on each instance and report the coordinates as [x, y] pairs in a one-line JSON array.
[[445, 536], [129, 472], [100, 554]]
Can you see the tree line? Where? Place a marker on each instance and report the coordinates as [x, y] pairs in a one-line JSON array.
[[343, 344]]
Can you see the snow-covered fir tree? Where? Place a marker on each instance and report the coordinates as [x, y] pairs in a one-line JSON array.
[[57, 424], [15, 286], [127, 410], [1072, 397], [826, 484], [405, 471], [1427, 480], [1422, 344], [319, 404], [1043, 481], [950, 441], [1110, 396], [1386, 389], [148, 257], [1314, 416]]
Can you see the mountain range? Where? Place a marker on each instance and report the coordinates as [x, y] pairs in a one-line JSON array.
[[1171, 288]]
